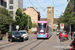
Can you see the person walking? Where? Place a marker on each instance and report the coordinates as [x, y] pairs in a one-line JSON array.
[[1, 36], [73, 35]]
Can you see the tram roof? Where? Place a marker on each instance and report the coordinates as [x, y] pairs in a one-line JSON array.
[[42, 21]]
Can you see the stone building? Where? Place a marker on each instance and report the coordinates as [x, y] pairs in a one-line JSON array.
[[50, 15], [35, 15], [50, 18], [13, 5]]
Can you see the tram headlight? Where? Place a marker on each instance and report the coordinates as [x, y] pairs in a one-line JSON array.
[[42, 23]]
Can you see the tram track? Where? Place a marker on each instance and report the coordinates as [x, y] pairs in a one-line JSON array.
[[8, 45], [36, 45], [11, 44], [30, 44], [27, 45], [4, 44]]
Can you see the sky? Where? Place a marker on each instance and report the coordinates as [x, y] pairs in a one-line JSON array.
[[41, 6]]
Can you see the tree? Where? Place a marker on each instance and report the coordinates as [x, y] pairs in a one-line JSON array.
[[22, 20], [34, 25], [68, 16], [19, 12], [17, 20], [5, 19]]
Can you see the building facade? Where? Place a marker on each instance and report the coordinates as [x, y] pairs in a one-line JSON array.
[[35, 15], [55, 25], [13, 5]]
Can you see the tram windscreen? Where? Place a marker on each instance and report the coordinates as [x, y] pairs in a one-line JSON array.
[[41, 27]]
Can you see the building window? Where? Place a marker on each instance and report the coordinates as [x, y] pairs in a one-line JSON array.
[[11, 1], [11, 12], [10, 7], [49, 12]]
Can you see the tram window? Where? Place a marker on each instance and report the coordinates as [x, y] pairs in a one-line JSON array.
[[47, 29], [41, 27]]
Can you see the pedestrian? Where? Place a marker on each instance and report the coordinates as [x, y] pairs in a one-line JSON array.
[[74, 35], [6, 34], [73, 43], [1, 36]]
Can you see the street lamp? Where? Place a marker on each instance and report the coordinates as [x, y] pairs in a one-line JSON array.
[[28, 23], [10, 27], [17, 27]]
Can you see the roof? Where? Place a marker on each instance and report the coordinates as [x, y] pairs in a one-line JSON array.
[[35, 10], [55, 20], [50, 6], [24, 9], [43, 19], [32, 8]]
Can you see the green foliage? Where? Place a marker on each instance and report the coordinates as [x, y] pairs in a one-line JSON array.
[[17, 20], [34, 25], [22, 20], [30, 22], [9, 32], [5, 19], [19, 12], [68, 16]]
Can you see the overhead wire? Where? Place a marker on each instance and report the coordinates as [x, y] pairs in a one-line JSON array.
[[32, 4], [38, 4], [53, 2]]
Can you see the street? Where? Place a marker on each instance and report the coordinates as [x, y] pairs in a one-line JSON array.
[[53, 43]]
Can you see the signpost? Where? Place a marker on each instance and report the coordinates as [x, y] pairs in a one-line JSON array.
[[62, 26], [17, 27]]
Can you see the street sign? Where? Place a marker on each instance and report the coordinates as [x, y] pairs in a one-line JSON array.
[[62, 25], [17, 27]]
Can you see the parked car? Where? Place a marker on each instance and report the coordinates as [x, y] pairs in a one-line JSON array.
[[1, 36], [24, 34], [58, 32], [63, 34], [15, 36], [35, 32]]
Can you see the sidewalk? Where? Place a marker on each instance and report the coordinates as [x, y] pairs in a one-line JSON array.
[[5, 38], [65, 44]]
